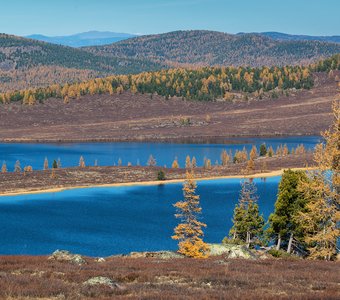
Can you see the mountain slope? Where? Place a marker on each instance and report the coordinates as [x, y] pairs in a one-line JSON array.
[[22, 53], [293, 37], [91, 38], [29, 60], [201, 47]]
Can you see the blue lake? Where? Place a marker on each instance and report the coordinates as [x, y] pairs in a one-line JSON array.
[[106, 221], [109, 153]]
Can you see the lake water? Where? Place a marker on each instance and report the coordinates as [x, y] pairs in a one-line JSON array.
[[106, 221], [108, 154]]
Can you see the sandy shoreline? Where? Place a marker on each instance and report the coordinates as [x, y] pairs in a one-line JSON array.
[[144, 183]]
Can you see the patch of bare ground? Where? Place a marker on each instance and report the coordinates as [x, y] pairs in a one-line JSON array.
[[129, 117], [11, 183], [27, 277]]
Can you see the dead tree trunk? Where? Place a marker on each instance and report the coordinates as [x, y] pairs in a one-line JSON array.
[[289, 249], [248, 239], [278, 245]]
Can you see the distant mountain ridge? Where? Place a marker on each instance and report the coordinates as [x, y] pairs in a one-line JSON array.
[[293, 37], [202, 47], [99, 38], [90, 38]]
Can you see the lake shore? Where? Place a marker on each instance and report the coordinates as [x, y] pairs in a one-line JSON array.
[[12, 184], [147, 183], [188, 139]]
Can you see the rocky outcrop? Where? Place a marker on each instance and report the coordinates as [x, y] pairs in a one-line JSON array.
[[66, 256], [100, 280], [227, 250], [156, 254], [231, 251]]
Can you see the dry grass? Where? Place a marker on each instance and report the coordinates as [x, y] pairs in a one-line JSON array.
[[150, 278], [129, 117]]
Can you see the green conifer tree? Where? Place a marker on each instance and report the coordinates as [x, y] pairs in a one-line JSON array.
[[247, 222], [283, 227]]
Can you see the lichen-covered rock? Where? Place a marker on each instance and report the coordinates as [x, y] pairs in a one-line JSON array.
[[100, 280], [231, 251], [66, 256], [156, 254]]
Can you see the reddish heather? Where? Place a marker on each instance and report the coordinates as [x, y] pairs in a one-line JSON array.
[[25, 277]]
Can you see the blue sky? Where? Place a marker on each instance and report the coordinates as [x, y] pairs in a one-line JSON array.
[[60, 17]]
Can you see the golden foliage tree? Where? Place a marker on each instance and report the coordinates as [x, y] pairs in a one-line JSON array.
[[253, 153], [188, 164], [4, 167], [241, 156], [189, 233], [300, 149], [285, 150], [320, 221], [175, 164], [193, 162], [225, 158], [270, 152], [250, 166]]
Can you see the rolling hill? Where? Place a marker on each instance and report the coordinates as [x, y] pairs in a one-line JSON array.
[[200, 47], [25, 58], [90, 38], [26, 63]]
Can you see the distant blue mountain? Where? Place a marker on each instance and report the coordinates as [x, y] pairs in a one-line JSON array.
[[291, 37], [91, 38]]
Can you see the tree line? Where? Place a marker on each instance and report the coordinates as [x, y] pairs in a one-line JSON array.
[[226, 158], [204, 84]]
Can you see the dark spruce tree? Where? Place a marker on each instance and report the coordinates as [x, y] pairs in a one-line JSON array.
[[263, 150], [283, 228], [55, 164], [247, 222]]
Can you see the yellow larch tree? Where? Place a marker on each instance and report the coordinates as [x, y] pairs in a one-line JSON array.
[[253, 153], [193, 162], [175, 164], [189, 232], [320, 221], [225, 158], [188, 164], [4, 167]]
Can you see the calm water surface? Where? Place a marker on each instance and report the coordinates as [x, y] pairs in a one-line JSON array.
[[108, 154], [106, 221]]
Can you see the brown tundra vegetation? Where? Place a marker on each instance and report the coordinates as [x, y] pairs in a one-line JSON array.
[[26, 277], [143, 117]]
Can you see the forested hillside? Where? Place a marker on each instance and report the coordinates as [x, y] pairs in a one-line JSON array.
[[43, 76], [23, 58], [211, 48], [206, 83], [26, 63]]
